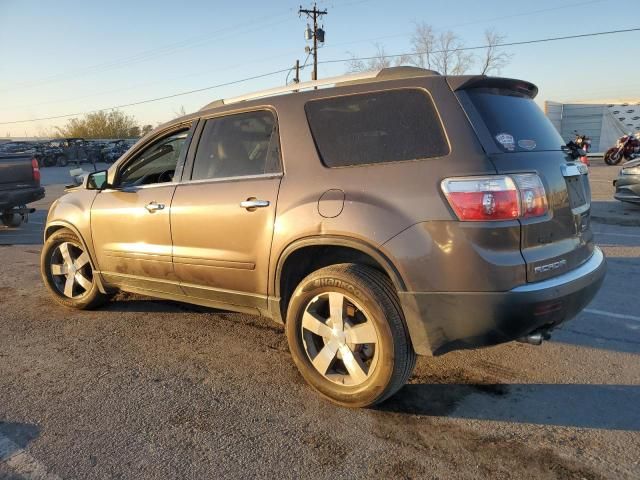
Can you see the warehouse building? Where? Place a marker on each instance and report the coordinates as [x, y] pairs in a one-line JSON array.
[[603, 122]]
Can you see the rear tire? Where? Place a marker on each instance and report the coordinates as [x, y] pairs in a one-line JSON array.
[[12, 220], [67, 272], [62, 161], [359, 356]]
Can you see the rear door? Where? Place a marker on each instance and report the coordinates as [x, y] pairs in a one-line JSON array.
[[222, 218], [520, 139]]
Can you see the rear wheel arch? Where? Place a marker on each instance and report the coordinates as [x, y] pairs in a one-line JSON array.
[[307, 255]]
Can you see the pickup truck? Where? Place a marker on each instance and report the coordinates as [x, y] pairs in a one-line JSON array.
[[19, 185]]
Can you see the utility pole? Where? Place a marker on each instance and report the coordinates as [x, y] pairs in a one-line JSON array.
[[317, 35]]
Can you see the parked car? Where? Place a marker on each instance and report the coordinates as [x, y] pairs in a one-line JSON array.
[[394, 213], [19, 186], [17, 147], [64, 151], [51, 152], [114, 149], [627, 184]]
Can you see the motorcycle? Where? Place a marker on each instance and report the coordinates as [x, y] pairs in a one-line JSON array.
[[627, 147], [576, 151], [583, 141]]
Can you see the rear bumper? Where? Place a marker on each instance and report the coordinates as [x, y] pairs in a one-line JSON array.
[[441, 322], [23, 196]]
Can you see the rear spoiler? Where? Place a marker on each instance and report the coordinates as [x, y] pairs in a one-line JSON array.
[[465, 82]]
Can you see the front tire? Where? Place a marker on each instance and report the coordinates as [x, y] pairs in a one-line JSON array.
[[347, 335], [613, 156], [67, 272]]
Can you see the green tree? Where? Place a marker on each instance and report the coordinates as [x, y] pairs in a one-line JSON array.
[[112, 124]]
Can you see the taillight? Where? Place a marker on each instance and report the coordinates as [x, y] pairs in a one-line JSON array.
[[496, 197], [35, 168]]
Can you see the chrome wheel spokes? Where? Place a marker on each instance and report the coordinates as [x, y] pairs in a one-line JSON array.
[[71, 270], [339, 338]]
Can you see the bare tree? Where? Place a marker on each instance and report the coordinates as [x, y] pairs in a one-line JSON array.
[[448, 56], [376, 62], [494, 60], [441, 51], [180, 112], [423, 41]]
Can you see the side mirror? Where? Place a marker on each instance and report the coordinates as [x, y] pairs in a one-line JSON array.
[[97, 180]]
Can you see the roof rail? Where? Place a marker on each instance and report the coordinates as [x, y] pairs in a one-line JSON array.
[[354, 78], [294, 87]]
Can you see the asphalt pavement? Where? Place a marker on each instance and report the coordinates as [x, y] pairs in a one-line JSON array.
[[152, 389]]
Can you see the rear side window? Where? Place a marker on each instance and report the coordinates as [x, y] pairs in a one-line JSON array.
[[514, 121], [243, 144], [379, 127]]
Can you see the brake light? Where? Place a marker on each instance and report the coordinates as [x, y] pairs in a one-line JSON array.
[[35, 168], [496, 197]]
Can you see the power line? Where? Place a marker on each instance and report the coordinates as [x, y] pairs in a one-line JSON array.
[[473, 22], [526, 42], [481, 47], [151, 54], [167, 49], [226, 84]]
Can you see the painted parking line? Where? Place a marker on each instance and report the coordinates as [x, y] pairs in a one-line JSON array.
[[612, 315], [618, 234], [21, 462]]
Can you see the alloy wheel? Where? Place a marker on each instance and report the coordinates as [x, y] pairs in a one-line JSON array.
[[71, 270], [340, 339]]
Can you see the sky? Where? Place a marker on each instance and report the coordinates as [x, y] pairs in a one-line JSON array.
[[73, 56]]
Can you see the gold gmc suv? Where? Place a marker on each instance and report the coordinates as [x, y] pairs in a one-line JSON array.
[[378, 216]]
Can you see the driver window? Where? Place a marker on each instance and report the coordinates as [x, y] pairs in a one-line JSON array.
[[156, 163]]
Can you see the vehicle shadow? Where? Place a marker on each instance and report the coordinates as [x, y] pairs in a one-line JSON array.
[[16, 436], [611, 407], [126, 302]]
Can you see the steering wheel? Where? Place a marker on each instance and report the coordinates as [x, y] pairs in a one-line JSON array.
[[166, 176]]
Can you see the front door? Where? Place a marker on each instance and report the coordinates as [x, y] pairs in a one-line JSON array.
[[222, 218], [130, 222]]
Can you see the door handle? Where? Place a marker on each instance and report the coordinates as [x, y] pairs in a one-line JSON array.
[[154, 206], [252, 203]]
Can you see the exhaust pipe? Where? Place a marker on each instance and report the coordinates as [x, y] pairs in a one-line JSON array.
[[536, 337], [532, 339]]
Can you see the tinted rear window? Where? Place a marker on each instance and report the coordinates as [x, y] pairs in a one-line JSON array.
[[515, 122], [378, 127]]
